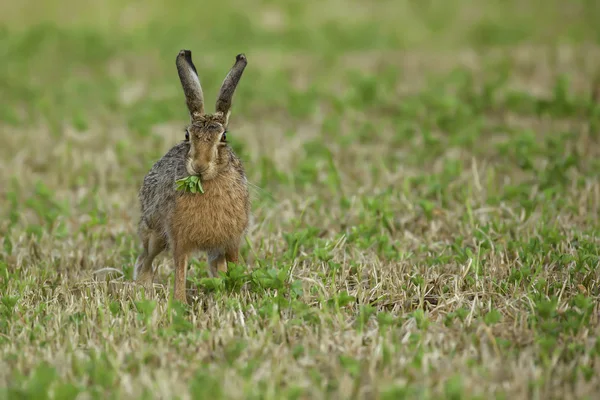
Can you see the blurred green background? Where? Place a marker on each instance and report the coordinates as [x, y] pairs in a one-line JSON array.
[[65, 59]]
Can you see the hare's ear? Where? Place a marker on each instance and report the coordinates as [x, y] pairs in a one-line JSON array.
[[190, 83], [228, 87]]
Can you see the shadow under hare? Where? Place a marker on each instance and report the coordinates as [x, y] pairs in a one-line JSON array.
[[214, 220]]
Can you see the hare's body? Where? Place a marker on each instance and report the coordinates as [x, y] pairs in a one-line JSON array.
[[214, 221]]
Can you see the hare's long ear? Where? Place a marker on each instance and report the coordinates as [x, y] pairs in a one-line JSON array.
[[190, 83], [228, 87]]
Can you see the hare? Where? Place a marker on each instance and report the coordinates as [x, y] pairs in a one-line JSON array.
[[213, 221]]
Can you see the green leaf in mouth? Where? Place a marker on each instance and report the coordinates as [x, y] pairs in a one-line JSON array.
[[190, 184]]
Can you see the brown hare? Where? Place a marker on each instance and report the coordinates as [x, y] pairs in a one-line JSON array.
[[213, 221]]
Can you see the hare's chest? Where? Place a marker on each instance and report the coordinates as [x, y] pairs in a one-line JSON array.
[[209, 220]]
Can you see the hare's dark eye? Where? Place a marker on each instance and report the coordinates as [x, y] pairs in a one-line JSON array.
[[224, 137], [187, 135]]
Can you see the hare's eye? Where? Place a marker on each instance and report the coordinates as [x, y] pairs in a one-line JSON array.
[[224, 137], [187, 135]]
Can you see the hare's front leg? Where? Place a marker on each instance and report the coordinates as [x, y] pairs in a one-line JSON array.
[[180, 258], [232, 255], [218, 260]]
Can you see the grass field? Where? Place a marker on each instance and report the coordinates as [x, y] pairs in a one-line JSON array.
[[426, 200]]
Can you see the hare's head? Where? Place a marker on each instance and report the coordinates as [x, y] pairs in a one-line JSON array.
[[209, 153]]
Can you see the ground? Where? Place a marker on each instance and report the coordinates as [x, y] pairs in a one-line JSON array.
[[426, 200]]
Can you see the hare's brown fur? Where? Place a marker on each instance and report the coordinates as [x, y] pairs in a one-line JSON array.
[[214, 221]]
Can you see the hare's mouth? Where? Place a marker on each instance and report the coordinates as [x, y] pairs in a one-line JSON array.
[[194, 169]]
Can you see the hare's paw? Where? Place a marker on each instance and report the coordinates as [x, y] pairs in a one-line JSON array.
[[146, 279]]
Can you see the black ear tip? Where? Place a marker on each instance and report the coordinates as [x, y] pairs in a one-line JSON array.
[[241, 57]]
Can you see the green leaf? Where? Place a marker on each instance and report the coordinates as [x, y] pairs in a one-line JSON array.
[[492, 317], [190, 184], [212, 284]]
